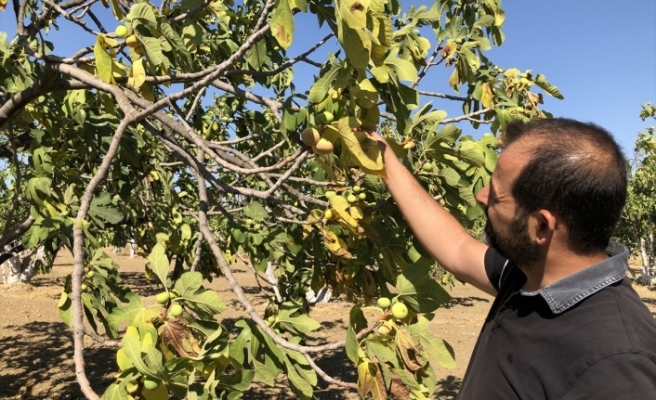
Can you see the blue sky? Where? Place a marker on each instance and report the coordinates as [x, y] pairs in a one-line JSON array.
[[600, 53]]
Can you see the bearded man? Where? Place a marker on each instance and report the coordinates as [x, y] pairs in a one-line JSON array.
[[566, 323]]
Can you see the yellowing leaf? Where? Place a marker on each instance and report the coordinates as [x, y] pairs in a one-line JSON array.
[[362, 148], [137, 75], [370, 380], [103, 61], [449, 49], [408, 350], [282, 24], [487, 95], [335, 244], [353, 12], [123, 360]]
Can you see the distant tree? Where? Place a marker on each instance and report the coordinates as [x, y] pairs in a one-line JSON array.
[[638, 222]]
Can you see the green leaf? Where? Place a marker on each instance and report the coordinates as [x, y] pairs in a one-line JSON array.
[[134, 313], [352, 345], [263, 374], [159, 262], [100, 213], [439, 350], [258, 55], [282, 24], [300, 324], [320, 88], [405, 70], [115, 391], [256, 211], [425, 298], [131, 346], [356, 44], [203, 301], [298, 384], [541, 81], [143, 12]]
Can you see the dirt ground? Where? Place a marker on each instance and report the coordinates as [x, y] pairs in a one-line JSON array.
[[36, 348]]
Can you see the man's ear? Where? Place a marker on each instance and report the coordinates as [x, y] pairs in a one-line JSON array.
[[544, 226]]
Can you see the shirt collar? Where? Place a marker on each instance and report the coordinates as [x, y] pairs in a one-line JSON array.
[[568, 291]]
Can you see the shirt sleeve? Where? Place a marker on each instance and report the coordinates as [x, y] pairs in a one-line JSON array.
[[622, 376], [495, 267]]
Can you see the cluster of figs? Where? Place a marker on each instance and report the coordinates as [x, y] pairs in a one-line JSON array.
[[312, 137]]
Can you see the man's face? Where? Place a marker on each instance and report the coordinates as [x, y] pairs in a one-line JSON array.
[[506, 229], [514, 243]]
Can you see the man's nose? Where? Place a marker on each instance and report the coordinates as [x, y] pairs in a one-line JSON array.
[[483, 194]]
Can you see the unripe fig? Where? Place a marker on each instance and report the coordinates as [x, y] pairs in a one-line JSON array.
[[351, 198], [132, 41], [324, 146], [249, 222], [257, 227], [310, 136], [362, 196], [150, 383], [399, 311], [427, 167], [356, 189], [328, 214], [176, 310], [163, 298], [384, 303], [83, 286], [324, 118], [91, 274], [410, 145], [271, 319], [383, 330], [224, 119], [329, 194], [121, 31]]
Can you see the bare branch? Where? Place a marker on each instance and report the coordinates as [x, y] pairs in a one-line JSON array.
[[442, 95]]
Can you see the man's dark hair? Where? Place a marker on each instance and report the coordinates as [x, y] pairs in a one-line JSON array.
[[577, 171]]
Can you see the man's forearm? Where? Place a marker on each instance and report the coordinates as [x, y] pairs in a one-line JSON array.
[[438, 231]]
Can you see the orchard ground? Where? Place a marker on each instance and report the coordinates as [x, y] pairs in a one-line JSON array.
[[36, 353]]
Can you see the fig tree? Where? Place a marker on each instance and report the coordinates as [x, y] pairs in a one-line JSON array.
[[310, 136], [163, 298], [176, 310], [384, 303], [399, 311]]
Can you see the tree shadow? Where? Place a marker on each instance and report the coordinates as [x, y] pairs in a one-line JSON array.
[[649, 301], [464, 301], [138, 283], [447, 388], [37, 363]]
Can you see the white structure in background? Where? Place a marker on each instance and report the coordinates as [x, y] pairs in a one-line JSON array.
[[133, 248], [323, 296], [17, 263]]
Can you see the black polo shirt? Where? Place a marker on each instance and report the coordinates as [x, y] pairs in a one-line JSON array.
[[586, 336]]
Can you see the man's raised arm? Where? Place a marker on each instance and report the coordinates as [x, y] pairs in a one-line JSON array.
[[437, 230]]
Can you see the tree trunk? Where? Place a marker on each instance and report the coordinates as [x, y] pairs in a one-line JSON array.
[[18, 268], [651, 268], [644, 271]]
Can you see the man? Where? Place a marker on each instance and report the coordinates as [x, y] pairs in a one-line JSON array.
[[566, 323]]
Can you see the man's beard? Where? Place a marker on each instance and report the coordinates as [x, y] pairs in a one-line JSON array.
[[516, 245]]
